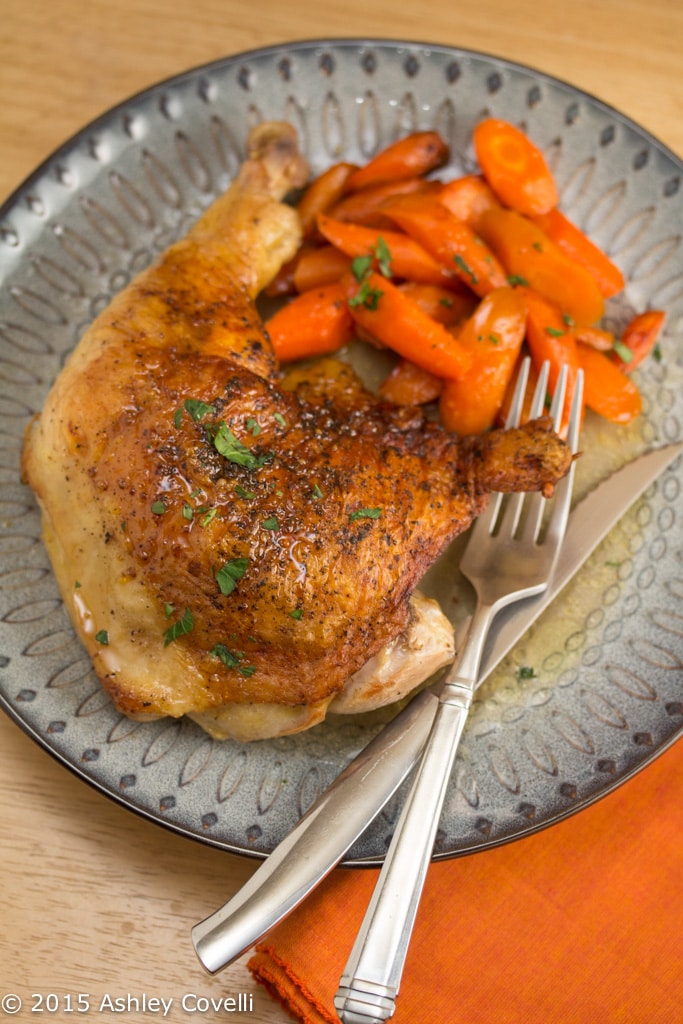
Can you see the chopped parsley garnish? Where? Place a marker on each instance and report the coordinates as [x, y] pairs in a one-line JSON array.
[[526, 672], [279, 418], [298, 613], [460, 263], [554, 332], [228, 575], [183, 625], [253, 427], [232, 659], [198, 409], [623, 351], [514, 279], [210, 514], [270, 523], [366, 296], [102, 637], [158, 508], [242, 492], [227, 445], [316, 493], [365, 513], [188, 512]]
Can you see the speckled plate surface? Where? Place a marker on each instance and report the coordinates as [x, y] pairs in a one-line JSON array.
[[606, 692]]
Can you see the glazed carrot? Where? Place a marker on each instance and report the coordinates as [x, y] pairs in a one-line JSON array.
[[410, 384], [607, 390], [493, 336], [283, 282], [514, 167], [572, 241], [550, 339], [413, 155], [311, 324], [322, 193], [408, 258], [446, 305], [468, 197], [448, 240], [318, 266], [380, 309], [596, 337], [363, 207], [531, 258], [638, 339]]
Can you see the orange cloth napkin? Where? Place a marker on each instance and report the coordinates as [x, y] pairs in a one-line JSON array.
[[576, 924]]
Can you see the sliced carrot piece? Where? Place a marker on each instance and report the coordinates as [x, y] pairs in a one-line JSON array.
[[550, 339], [410, 384], [468, 197], [596, 337], [572, 241], [607, 390], [493, 336], [314, 323], [363, 207], [413, 155], [448, 240], [514, 167], [638, 339], [447, 306], [322, 193], [529, 257], [381, 309], [318, 266], [407, 258]]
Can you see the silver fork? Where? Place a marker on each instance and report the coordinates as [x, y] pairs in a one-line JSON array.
[[511, 554]]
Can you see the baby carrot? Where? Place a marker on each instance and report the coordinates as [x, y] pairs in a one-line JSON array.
[[572, 241], [380, 309], [410, 384], [514, 167], [448, 240], [322, 193], [363, 207], [493, 336], [448, 306], [407, 258], [468, 197], [551, 340], [607, 390], [413, 155], [530, 257], [638, 339], [318, 266], [314, 323]]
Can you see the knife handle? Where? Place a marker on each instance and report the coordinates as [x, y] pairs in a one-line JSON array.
[[319, 840]]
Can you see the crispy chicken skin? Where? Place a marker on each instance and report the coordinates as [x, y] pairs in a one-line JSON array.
[[230, 544]]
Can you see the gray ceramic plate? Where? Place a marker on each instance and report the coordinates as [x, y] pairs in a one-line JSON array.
[[607, 688]]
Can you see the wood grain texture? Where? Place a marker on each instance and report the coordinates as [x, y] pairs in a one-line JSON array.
[[95, 899]]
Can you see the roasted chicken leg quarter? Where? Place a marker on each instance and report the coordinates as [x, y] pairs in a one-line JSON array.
[[236, 546]]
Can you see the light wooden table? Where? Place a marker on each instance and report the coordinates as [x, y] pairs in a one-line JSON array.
[[94, 899]]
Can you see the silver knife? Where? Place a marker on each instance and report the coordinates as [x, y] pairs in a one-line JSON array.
[[336, 820]]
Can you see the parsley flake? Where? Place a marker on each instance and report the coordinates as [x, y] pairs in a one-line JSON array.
[[270, 523], [297, 613], [227, 445], [232, 659], [526, 672], [554, 332], [365, 513], [623, 351], [460, 263], [514, 279], [198, 409], [158, 508], [228, 575], [185, 624], [102, 637]]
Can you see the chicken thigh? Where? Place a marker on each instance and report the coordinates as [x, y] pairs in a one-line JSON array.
[[237, 546]]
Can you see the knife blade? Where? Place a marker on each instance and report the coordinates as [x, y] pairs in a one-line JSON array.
[[340, 815]]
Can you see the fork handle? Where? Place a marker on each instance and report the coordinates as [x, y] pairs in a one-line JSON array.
[[370, 982]]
